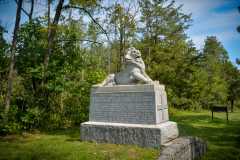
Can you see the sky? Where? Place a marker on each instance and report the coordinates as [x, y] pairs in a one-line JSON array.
[[218, 18]]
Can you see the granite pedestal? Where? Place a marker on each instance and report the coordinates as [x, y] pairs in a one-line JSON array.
[[129, 114]]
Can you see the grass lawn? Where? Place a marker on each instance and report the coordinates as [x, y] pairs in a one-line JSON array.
[[223, 141], [62, 144], [223, 138]]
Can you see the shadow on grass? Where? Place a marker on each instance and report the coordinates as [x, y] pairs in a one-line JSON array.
[[74, 140], [73, 133], [223, 138]]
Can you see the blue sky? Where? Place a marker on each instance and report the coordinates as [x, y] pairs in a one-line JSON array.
[[210, 18], [214, 18]]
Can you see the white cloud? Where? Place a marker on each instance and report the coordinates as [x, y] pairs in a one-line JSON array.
[[208, 22], [218, 21], [223, 37], [200, 8]]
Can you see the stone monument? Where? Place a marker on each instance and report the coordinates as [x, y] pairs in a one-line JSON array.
[[124, 111]]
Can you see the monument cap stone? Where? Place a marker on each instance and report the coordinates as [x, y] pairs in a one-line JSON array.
[[127, 88]]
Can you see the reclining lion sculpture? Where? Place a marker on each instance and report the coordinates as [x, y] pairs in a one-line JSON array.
[[134, 73]]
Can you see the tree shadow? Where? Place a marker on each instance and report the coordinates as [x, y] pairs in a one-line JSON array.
[[74, 140], [73, 133]]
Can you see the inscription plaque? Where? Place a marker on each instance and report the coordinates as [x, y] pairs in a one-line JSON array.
[[123, 107]]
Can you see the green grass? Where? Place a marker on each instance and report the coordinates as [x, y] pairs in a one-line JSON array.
[[223, 141], [223, 138], [62, 144]]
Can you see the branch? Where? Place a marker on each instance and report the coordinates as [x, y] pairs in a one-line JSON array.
[[22, 9], [41, 4], [31, 12], [58, 51], [65, 7], [76, 40], [59, 107], [41, 11]]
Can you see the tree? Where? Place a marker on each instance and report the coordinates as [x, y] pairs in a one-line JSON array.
[[233, 79], [51, 39], [121, 21], [214, 58], [163, 43], [32, 42], [49, 48], [147, 11], [14, 44], [4, 59], [163, 31]]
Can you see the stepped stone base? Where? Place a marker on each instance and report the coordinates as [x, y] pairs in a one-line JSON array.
[[183, 148], [147, 136]]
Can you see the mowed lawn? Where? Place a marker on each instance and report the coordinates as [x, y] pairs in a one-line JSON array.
[[223, 138], [223, 141], [62, 144]]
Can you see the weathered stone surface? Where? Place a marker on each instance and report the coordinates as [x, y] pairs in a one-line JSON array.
[[129, 107], [147, 136], [187, 155], [165, 157], [184, 148], [184, 142]]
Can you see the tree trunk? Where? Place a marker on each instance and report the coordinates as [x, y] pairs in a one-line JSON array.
[[1, 88], [156, 30], [49, 17], [232, 105], [109, 58], [148, 35], [65, 54], [31, 12], [49, 48], [121, 43], [12, 57], [69, 18]]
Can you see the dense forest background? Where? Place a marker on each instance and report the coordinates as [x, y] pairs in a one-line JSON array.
[[47, 72]]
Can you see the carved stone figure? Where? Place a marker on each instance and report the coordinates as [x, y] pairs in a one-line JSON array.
[[134, 73]]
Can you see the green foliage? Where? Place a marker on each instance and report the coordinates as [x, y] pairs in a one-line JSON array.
[[4, 62], [68, 81]]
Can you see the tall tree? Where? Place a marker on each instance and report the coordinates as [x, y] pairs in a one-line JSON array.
[[164, 28], [121, 20], [14, 44], [233, 79], [49, 48], [214, 58], [51, 38], [147, 11], [4, 59]]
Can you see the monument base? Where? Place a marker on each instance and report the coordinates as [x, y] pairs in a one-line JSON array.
[[147, 136]]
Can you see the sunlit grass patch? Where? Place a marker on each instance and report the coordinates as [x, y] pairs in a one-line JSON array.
[[223, 138], [62, 144]]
